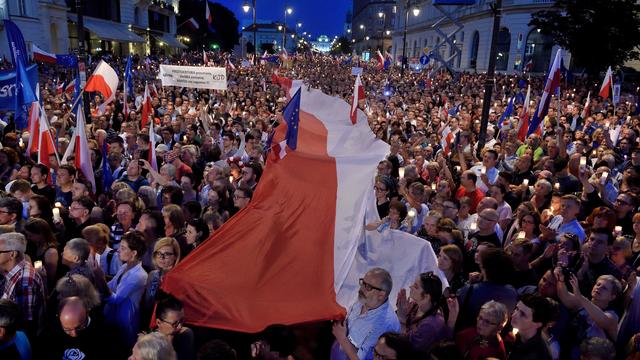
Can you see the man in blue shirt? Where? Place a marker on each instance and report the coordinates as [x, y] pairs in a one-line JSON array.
[[13, 343], [367, 319]]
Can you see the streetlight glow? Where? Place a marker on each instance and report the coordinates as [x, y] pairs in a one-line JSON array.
[[289, 11], [388, 32], [246, 7], [380, 14], [299, 24], [279, 27], [416, 11], [366, 38], [362, 26]]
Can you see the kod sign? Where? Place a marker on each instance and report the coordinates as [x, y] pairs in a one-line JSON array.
[[8, 86]]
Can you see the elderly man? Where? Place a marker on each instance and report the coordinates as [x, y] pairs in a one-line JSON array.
[[75, 255], [21, 283], [367, 319]]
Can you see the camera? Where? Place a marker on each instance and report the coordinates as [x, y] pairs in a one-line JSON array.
[[566, 273]]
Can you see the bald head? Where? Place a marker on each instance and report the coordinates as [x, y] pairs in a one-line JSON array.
[[73, 315], [487, 203]]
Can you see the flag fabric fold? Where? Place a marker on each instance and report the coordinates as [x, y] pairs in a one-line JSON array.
[[587, 107], [380, 58], [358, 94], [24, 96], [304, 263], [103, 80], [208, 15], [551, 87], [523, 126], [17, 46], [46, 145], [147, 108], [607, 84], [508, 112], [79, 147], [43, 56]]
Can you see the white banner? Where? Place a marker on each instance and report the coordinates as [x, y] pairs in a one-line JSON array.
[[194, 77]]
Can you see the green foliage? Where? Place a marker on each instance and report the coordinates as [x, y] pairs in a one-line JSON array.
[[342, 46], [598, 33], [224, 31]]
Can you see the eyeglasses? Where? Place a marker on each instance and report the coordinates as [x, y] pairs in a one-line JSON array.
[[239, 197], [618, 201], [175, 324], [368, 286], [379, 188], [6, 251], [77, 328], [162, 255]]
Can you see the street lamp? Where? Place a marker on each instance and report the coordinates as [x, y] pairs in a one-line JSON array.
[[246, 7], [288, 11], [416, 12]]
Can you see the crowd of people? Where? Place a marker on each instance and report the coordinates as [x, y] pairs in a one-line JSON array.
[[537, 238]]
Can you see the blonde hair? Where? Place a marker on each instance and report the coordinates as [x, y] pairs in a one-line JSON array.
[[166, 241]]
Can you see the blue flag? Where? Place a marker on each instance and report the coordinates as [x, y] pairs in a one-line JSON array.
[[16, 43], [69, 61], [291, 114], [107, 176], [24, 96], [128, 82], [347, 61], [507, 112]]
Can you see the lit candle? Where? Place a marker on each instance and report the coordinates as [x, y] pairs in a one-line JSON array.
[[583, 161], [58, 204], [473, 227], [483, 170], [618, 230], [457, 168], [556, 186], [522, 235], [401, 172], [37, 264], [433, 186], [21, 143], [411, 213], [56, 214], [603, 177], [230, 179], [525, 182]]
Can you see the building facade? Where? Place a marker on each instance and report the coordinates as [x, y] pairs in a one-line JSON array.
[[372, 25], [322, 44], [118, 26], [518, 43]]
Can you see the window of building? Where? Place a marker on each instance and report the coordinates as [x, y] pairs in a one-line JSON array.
[[19, 8], [537, 51], [503, 48]]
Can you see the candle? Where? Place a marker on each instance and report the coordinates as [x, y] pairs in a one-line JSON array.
[[473, 227], [617, 230], [433, 186], [522, 235], [411, 213], [401, 172], [583, 161], [603, 177], [21, 143], [230, 179], [483, 170], [56, 214], [37, 264], [457, 168], [525, 182], [58, 204], [556, 186]]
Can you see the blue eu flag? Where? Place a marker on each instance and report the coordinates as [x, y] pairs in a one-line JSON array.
[[291, 115]]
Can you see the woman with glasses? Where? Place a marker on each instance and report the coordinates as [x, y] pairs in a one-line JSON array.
[[528, 228], [165, 256], [382, 190], [483, 340], [421, 314]]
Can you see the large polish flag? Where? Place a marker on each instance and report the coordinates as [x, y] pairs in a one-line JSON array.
[[524, 116], [550, 87], [147, 108], [79, 147], [296, 252], [607, 84], [103, 80], [358, 94]]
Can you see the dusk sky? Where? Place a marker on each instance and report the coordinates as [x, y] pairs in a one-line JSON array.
[[320, 17]]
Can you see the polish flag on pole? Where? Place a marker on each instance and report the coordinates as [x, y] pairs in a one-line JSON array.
[[208, 14], [103, 80], [43, 56], [70, 88], [306, 263], [607, 84], [79, 147], [205, 58], [147, 108], [524, 116], [46, 145], [550, 87], [446, 140], [152, 147], [34, 128], [587, 107], [380, 61], [358, 94]]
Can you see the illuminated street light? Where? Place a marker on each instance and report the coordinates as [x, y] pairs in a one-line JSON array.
[[246, 7], [289, 11], [416, 11]]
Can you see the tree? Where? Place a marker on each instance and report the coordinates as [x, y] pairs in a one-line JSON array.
[[341, 46], [268, 47], [598, 33], [223, 33]]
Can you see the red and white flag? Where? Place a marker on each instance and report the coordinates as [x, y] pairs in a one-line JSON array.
[[46, 145], [230, 65], [152, 147], [207, 13], [192, 24], [34, 128], [43, 56], [587, 107], [358, 94], [153, 92], [103, 80], [380, 61], [524, 116], [446, 140], [205, 58], [59, 88], [305, 264], [70, 87], [147, 108], [79, 147], [607, 84]]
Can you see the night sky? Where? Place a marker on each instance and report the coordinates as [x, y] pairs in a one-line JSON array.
[[320, 17]]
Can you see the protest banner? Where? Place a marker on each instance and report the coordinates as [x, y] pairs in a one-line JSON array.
[[194, 77]]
